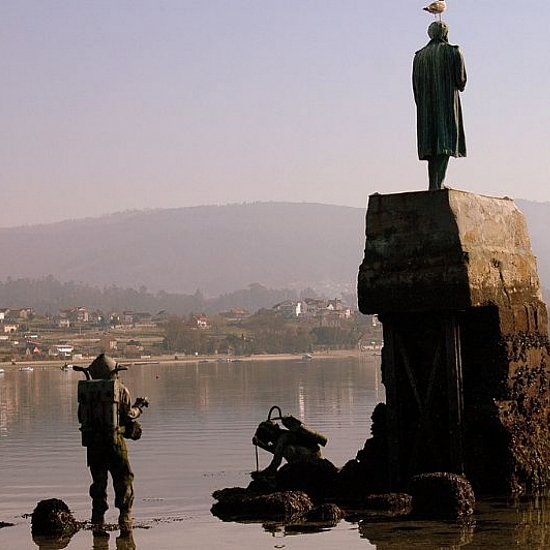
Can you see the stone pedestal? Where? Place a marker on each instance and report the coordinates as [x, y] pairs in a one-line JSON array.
[[466, 354]]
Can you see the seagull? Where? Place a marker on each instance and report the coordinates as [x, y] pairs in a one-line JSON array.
[[436, 8]]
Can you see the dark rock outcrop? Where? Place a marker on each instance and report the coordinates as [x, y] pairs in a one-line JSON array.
[[441, 495], [368, 473], [240, 504], [52, 517]]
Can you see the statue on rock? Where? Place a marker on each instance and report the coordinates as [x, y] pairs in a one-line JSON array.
[[295, 443], [439, 74]]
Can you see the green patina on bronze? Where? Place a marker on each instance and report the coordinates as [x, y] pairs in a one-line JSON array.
[[439, 74]]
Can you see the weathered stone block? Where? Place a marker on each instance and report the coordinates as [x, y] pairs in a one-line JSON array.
[[445, 250]]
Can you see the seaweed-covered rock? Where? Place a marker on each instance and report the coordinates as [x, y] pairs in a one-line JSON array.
[[237, 503], [389, 502], [441, 495], [325, 513], [52, 517], [315, 477]]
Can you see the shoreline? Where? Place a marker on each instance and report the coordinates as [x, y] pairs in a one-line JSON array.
[[163, 359]]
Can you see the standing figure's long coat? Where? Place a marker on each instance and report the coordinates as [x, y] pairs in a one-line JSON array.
[[439, 74]]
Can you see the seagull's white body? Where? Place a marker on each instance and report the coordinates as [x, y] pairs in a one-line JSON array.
[[436, 8]]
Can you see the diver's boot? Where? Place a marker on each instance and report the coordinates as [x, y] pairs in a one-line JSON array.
[[125, 523], [98, 524]]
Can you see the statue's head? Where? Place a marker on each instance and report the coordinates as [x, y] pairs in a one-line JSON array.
[[438, 30]]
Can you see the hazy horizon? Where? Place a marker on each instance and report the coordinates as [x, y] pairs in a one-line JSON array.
[[132, 105], [146, 210]]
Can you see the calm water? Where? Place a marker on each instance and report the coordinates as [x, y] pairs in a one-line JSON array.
[[197, 438]]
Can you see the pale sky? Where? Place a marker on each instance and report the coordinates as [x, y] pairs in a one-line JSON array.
[[113, 105]]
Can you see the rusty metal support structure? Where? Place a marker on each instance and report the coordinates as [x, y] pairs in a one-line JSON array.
[[414, 384]]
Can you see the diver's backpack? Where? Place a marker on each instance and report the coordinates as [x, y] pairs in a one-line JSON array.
[[98, 410], [303, 432]]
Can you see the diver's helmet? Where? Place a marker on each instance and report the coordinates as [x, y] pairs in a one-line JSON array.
[[104, 367]]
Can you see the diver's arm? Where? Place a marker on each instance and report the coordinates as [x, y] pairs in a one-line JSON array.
[[278, 454], [269, 447], [127, 410]]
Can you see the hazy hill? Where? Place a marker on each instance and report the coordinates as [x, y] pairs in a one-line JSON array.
[[216, 249]]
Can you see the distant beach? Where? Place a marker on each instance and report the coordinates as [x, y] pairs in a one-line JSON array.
[[316, 356]]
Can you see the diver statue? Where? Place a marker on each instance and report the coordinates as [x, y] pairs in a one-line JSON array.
[[107, 417], [294, 442]]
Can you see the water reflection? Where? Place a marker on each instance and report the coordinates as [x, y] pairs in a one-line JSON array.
[[51, 543], [497, 523], [284, 530], [410, 534], [123, 542]]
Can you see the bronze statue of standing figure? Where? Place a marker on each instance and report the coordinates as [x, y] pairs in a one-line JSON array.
[[439, 74]]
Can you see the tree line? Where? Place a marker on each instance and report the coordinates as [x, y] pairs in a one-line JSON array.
[[267, 331], [48, 295]]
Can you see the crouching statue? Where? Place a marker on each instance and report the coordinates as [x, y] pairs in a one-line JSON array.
[[293, 442]]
